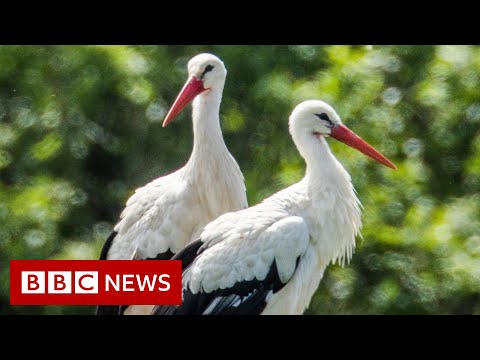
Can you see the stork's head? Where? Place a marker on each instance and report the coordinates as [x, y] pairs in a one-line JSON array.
[[205, 72], [314, 119]]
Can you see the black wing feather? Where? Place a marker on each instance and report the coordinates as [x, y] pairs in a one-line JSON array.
[[167, 255], [107, 245], [189, 253], [244, 298]]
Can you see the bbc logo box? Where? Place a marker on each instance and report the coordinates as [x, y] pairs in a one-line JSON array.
[[95, 282], [59, 282]]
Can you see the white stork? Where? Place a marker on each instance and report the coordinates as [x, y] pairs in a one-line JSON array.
[[171, 211], [270, 258]]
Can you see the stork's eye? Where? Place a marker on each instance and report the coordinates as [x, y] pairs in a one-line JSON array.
[[324, 116], [207, 69]]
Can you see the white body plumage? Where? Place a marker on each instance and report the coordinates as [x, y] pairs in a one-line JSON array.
[[171, 211], [315, 220], [270, 258]]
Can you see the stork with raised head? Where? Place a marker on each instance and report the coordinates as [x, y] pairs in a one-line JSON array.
[[270, 258], [171, 211]]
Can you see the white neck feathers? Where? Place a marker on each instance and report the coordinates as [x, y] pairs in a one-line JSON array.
[[207, 132]]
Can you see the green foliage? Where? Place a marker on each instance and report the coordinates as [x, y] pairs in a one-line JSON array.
[[80, 129]]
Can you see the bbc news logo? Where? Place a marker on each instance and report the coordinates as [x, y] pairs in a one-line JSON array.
[[86, 282], [59, 282], [95, 282]]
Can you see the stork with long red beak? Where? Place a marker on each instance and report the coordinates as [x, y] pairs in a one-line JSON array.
[[171, 211], [270, 258]]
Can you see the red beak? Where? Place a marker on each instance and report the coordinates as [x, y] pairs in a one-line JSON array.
[[347, 136], [192, 88]]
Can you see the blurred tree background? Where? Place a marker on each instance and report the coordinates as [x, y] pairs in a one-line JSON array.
[[80, 129]]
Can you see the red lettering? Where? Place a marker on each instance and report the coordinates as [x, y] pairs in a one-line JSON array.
[[33, 279], [59, 280], [81, 284]]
